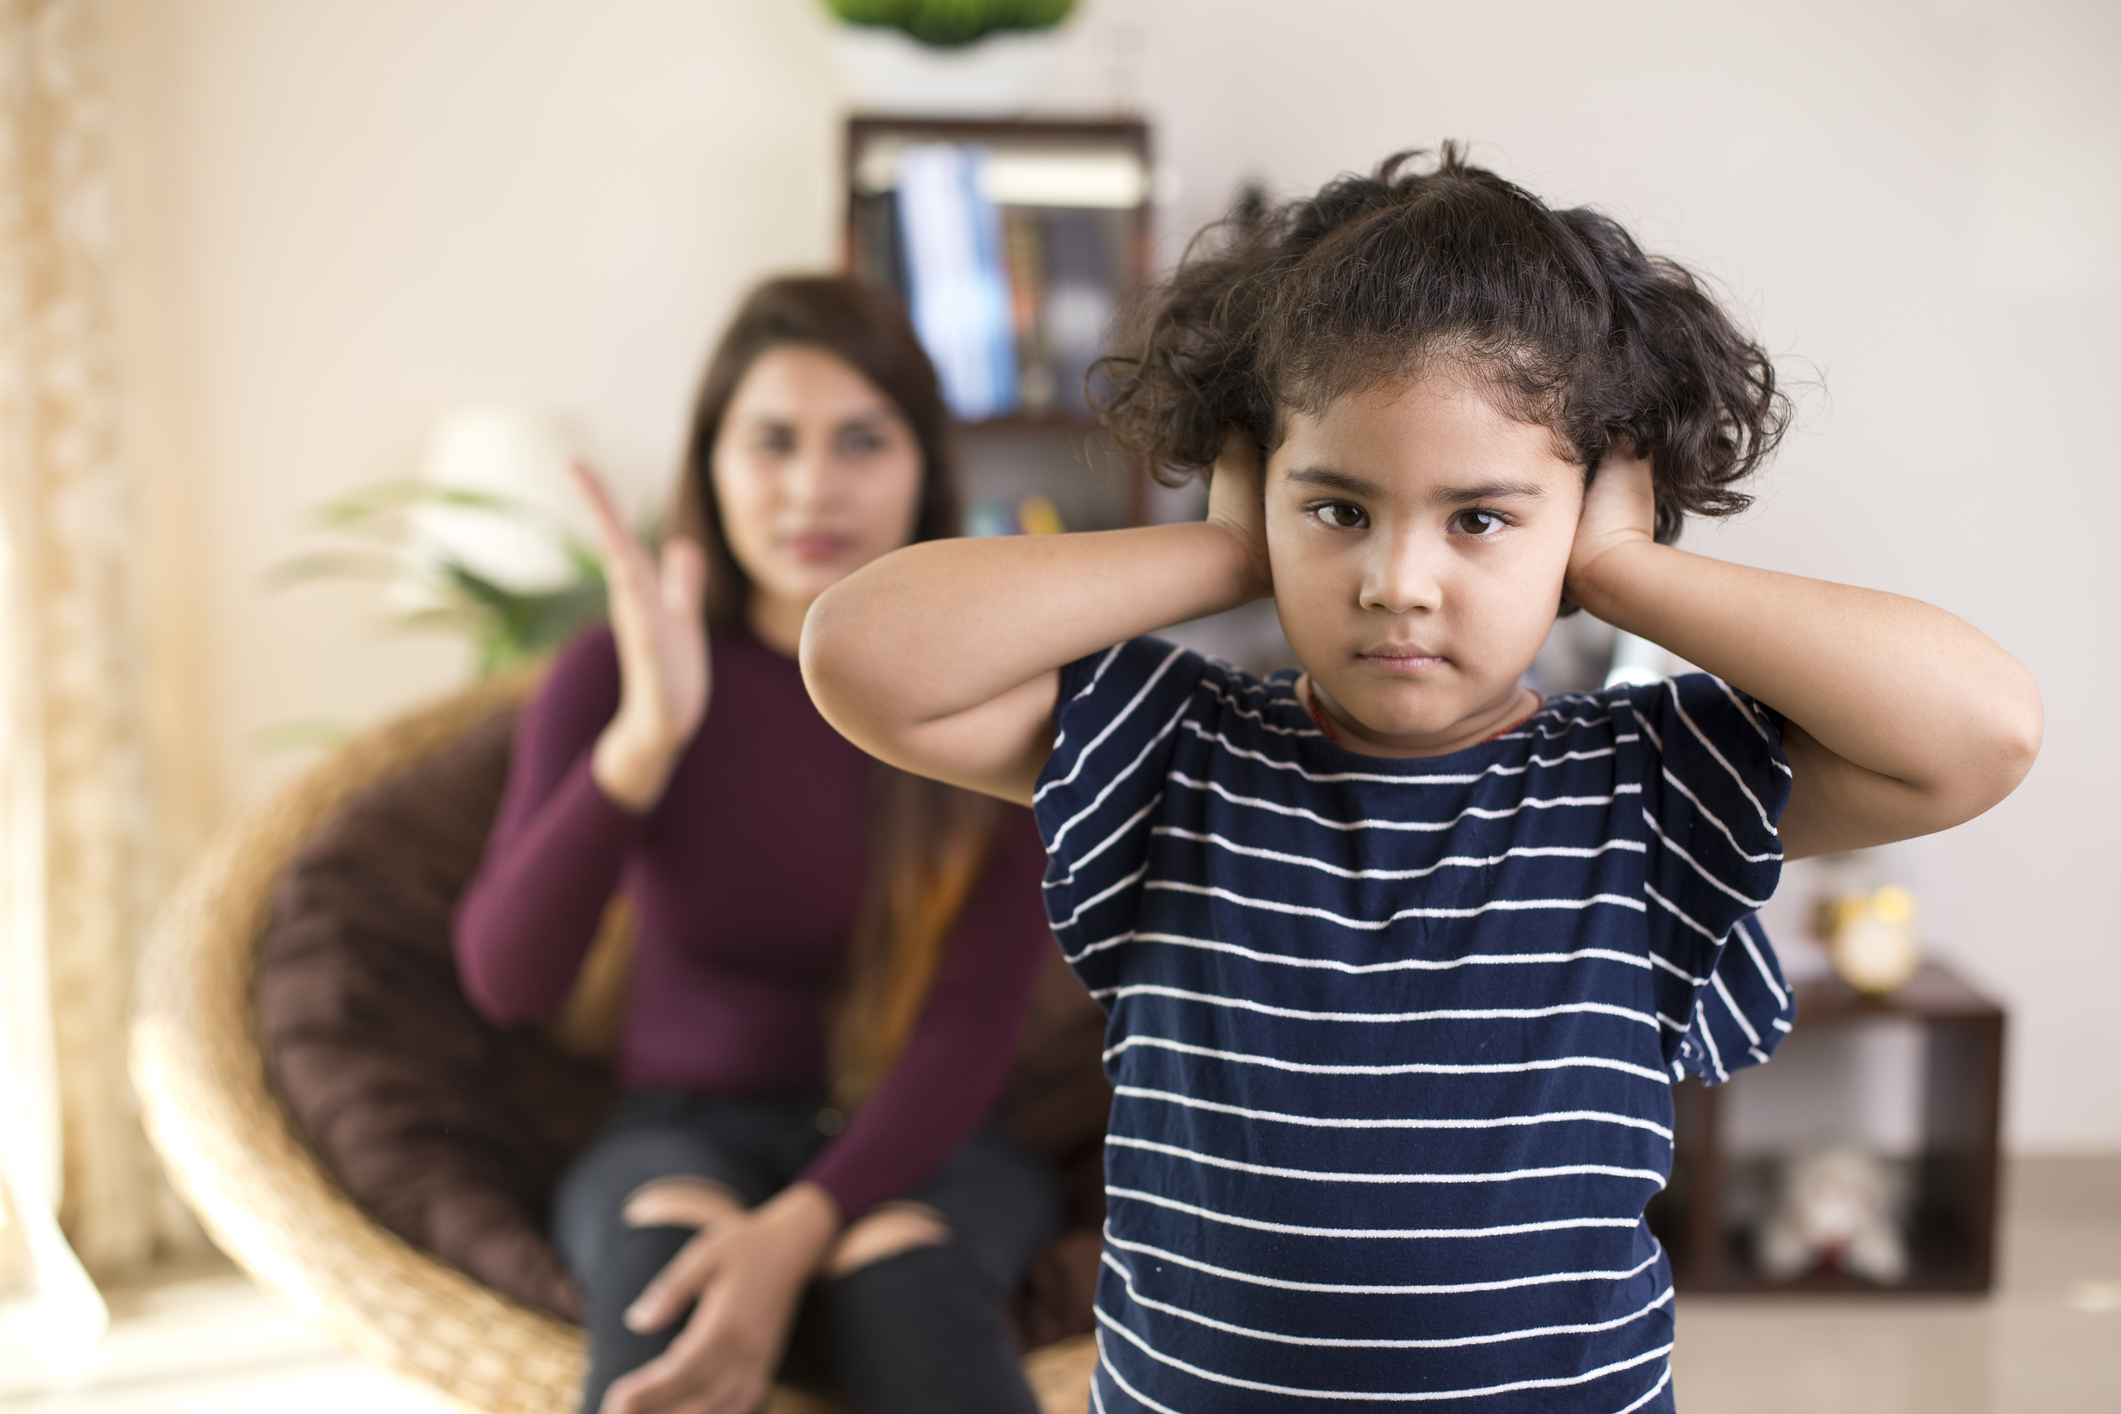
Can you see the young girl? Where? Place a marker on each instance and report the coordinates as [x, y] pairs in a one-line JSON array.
[[1400, 960]]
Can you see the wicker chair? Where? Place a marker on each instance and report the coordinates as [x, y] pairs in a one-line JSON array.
[[263, 1193]]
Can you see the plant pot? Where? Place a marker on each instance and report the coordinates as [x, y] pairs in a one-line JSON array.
[[887, 71]]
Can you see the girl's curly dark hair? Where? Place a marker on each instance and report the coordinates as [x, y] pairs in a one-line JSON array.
[[1559, 313]]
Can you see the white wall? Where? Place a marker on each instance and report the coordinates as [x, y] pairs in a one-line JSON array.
[[354, 215], [360, 212]]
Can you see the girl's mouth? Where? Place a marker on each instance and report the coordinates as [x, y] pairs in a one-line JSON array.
[[1408, 661]]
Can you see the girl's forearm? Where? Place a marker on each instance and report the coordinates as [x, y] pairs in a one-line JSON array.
[[1891, 685], [939, 629]]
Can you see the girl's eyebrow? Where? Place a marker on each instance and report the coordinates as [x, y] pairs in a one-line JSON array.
[[1486, 491], [1333, 480], [1444, 495]]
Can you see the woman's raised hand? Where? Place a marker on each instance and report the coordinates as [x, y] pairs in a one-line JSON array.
[[657, 619]]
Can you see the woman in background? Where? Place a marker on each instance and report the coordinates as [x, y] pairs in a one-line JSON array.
[[833, 956]]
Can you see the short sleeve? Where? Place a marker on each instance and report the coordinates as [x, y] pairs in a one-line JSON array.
[[1715, 781], [1115, 730]]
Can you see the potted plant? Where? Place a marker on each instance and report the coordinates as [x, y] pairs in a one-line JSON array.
[[946, 57], [488, 543]]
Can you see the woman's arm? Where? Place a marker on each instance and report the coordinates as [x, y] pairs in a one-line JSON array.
[[1900, 719], [554, 857], [593, 755], [944, 658]]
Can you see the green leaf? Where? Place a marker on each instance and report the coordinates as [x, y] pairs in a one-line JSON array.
[[504, 627], [333, 564], [952, 24]]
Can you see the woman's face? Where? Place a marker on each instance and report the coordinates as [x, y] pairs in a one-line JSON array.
[[815, 473]]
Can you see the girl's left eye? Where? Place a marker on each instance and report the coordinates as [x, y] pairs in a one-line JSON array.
[[1342, 515], [1478, 522]]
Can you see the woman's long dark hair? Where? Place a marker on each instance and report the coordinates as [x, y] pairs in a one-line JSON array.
[[927, 842], [1560, 314]]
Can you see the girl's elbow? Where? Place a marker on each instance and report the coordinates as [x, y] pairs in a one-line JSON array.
[[2001, 752], [2018, 724], [828, 653]]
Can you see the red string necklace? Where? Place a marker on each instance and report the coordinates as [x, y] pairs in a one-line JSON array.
[[1311, 701]]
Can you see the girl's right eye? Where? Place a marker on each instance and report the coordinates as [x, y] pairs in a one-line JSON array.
[[1341, 515]]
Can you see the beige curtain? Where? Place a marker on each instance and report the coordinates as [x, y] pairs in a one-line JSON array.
[[78, 874]]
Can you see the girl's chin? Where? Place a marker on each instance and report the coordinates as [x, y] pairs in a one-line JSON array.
[[1406, 717]]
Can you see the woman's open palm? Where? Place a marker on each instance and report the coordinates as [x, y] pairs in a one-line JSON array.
[[664, 673]]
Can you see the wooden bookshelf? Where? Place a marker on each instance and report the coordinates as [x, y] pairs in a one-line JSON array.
[[1050, 444], [1951, 1220]]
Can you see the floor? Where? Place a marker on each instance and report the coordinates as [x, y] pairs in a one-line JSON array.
[[2048, 1340]]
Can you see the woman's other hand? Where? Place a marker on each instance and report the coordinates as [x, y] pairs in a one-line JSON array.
[[657, 620], [742, 1274]]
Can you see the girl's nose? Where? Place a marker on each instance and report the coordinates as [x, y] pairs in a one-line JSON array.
[[1400, 576]]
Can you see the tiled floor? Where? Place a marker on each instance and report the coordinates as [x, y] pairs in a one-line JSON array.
[[2048, 1341], [209, 1342]]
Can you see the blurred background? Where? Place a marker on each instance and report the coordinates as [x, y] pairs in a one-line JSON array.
[[306, 234]]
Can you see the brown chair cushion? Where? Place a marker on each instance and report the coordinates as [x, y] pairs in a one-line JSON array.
[[452, 1131]]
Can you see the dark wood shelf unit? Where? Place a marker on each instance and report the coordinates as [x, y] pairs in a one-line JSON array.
[[1951, 1230], [1128, 134], [1069, 448]]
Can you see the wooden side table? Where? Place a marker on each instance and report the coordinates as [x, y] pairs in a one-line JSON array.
[[1952, 1214]]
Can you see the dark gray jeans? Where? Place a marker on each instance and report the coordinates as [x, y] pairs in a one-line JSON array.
[[919, 1332]]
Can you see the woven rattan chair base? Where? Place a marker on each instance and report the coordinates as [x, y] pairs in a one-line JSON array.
[[262, 1195]]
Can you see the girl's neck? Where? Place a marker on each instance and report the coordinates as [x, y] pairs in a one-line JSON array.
[[1344, 731]]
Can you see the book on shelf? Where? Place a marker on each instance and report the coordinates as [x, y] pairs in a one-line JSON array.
[[1013, 263]]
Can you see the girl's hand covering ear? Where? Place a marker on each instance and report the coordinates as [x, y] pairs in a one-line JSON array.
[[657, 607], [1237, 503], [1619, 510]]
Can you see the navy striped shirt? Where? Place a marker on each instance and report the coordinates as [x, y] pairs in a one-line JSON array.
[[1392, 1040]]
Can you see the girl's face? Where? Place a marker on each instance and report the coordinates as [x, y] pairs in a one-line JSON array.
[[1418, 536], [816, 474]]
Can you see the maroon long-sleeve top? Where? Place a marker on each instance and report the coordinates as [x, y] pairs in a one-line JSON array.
[[745, 882]]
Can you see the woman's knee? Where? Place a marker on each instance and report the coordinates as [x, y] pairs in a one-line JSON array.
[[886, 1232], [626, 1182], [916, 1332]]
